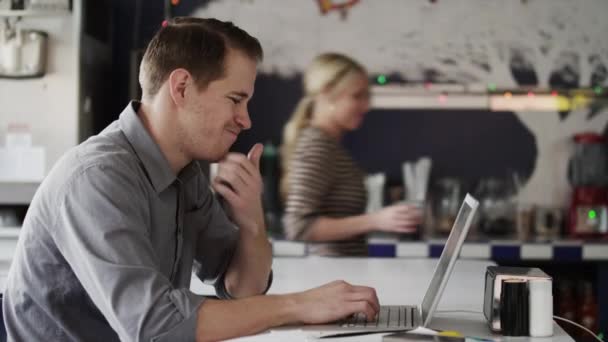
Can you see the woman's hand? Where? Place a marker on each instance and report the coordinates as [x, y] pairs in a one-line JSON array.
[[398, 218]]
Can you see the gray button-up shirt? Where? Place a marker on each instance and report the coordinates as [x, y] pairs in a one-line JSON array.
[[110, 241]]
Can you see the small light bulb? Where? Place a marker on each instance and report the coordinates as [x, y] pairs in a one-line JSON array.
[[598, 90]]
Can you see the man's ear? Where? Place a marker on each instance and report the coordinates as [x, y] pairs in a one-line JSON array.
[[178, 82]]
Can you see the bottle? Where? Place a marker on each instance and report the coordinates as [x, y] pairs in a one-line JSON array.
[[566, 303], [566, 306], [541, 307], [588, 311]]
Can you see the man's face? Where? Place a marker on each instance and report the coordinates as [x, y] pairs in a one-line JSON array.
[[211, 119]]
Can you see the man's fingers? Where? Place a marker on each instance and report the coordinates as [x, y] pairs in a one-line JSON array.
[[232, 174], [362, 307], [243, 162], [225, 191], [364, 293], [255, 154]]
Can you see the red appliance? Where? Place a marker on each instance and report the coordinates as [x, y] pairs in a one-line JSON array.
[[588, 174]]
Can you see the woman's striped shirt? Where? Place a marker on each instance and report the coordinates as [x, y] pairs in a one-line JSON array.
[[324, 181]]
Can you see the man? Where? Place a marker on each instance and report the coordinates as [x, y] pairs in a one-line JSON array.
[[115, 230]]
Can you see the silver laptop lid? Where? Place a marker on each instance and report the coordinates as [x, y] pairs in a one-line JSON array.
[[448, 257]]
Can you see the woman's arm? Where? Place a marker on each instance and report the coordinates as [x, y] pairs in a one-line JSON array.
[[331, 229], [398, 218]]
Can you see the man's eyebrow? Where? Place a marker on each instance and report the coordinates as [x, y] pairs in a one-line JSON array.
[[239, 93]]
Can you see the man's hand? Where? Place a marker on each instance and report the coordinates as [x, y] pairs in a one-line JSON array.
[[223, 319], [335, 301], [240, 183]]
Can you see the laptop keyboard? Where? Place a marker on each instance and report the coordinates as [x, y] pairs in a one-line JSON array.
[[388, 317]]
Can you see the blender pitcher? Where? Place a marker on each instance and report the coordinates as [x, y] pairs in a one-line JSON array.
[[588, 175]]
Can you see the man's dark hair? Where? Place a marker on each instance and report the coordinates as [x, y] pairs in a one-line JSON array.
[[198, 45]]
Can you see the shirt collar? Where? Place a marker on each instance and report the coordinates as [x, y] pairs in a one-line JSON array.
[[155, 164]]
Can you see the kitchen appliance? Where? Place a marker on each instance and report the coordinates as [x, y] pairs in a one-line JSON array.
[[588, 174], [22, 51], [494, 299]]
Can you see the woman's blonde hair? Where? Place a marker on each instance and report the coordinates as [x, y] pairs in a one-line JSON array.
[[327, 72]]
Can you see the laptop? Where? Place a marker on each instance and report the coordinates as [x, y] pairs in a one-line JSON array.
[[409, 317]]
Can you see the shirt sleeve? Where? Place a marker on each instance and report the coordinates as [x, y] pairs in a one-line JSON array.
[[309, 181], [101, 228], [216, 243]]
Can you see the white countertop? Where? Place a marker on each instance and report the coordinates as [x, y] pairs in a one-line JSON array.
[[397, 282]]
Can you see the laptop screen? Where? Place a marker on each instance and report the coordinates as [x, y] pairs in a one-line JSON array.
[[448, 258]]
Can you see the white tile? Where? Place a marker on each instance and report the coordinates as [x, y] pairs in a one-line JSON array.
[[412, 250], [10, 232], [536, 251], [595, 252], [288, 248], [475, 251], [7, 248]]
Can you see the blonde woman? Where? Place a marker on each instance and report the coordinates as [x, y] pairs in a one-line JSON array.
[[322, 186]]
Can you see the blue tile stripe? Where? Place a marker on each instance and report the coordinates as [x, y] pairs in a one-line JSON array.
[[568, 253], [507, 251], [382, 250], [435, 250]]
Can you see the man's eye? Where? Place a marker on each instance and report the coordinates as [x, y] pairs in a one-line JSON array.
[[235, 100]]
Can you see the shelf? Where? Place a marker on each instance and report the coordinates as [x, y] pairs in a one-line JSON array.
[[455, 97], [10, 232], [17, 193], [33, 13]]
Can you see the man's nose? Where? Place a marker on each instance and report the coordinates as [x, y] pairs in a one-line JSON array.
[[242, 119]]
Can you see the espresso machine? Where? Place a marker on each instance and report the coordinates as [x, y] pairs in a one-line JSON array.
[[588, 175], [22, 51]]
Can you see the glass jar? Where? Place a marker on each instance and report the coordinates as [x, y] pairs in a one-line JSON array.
[[446, 202], [588, 165], [496, 207]]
